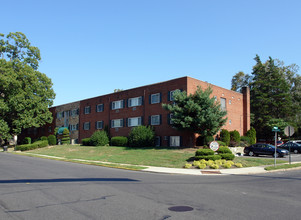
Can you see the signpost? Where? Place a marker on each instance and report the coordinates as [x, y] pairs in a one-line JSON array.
[[275, 129], [289, 131]]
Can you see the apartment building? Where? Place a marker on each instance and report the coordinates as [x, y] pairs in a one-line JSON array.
[[119, 112]]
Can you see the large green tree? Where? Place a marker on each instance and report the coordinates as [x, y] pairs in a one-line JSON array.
[[275, 92], [25, 93], [196, 112]]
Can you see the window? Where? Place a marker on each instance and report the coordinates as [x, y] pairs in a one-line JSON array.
[[74, 112], [87, 126], [99, 125], [169, 119], [99, 108], [230, 122], [87, 109], [135, 101], [155, 98], [74, 127], [223, 104], [49, 129], [215, 98], [158, 141], [60, 115], [174, 141], [117, 104], [134, 121], [155, 119], [117, 123], [170, 94], [230, 102]]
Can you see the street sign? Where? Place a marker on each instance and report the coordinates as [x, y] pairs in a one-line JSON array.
[[214, 146], [289, 130], [275, 129]]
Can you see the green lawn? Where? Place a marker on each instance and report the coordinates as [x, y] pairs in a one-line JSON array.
[[161, 157], [284, 166]]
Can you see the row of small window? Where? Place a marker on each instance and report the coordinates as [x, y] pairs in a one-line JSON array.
[[132, 102], [130, 122], [72, 113]]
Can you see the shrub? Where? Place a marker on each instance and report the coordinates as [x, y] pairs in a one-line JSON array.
[[238, 165], [66, 137], [204, 152], [214, 166], [99, 138], [35, 145], [252, 135], [27, 140], [187, 165], [52, 139], [44, 138], [196, 163], [235, 136], [245, 139], [202, 166], [209, 157], [208, 139], [224, 150], [227, 165], [221, 143], [142, 136], [119, 141], [225, 136], [86, 142], [227, 156]]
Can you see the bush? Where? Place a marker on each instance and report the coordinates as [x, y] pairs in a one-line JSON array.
[[99, 138], [227, 156], [225, 136], [252, 135], [224, 150], [196, 163], [27, 140], [235, 136], [208, 140], [86, 142], [214, 166], [35, 145], [204, 152], [119, 141], [238, 165], [52, 139], [221, 143], [66, 137], [44, 138], [187, 165], [202, 166], [209, 157], [227, 165], [142, 136]]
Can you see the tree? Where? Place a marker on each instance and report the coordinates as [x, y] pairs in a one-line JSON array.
[[197, 112], [25, 93], [240, 80]]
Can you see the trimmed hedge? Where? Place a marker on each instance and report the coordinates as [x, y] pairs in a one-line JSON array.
[[221, 143], [204, 152], [44, 138], [227, 156], [208, 157], [225, 136], [142, 136], [52, 139], [119, 141], [224, 150], [86, 142], [35, 145]]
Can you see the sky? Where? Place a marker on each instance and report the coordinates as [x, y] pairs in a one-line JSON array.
[[91, 47]]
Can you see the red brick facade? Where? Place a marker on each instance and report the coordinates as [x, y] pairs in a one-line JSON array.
[[116, 111]]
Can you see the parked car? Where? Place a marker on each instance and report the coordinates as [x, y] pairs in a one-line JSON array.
[[264, 149], [295, 141], [295, 147]]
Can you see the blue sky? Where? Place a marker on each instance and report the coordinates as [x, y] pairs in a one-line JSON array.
[[89, 48]]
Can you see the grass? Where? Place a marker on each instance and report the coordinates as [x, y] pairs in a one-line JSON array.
[[284, 166], [138, 157]]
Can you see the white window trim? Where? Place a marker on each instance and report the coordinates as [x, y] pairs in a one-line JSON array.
[[100, 107], [87, 110], [85, 126], [101, 125], [155, 116], [139, 121], [176, 142], [153, 95], [139, 101], [120, 103], [113, 124]]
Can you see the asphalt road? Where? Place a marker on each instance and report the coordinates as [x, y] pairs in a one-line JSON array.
[[37, 189]]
